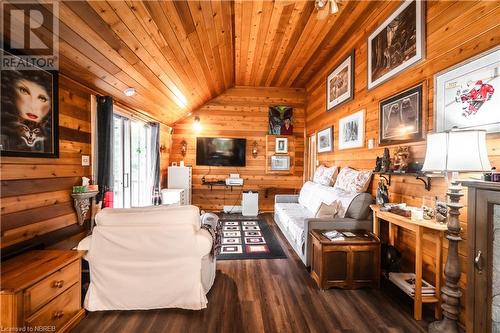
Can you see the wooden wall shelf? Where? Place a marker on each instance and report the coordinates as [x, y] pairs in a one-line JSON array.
[[426, 179]]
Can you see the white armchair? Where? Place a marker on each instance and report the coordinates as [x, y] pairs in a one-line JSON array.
[[148, 258]]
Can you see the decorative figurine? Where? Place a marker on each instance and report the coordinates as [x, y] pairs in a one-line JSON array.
[[386, 161], [378, 164], [441, 212], [401, 158], [382, 193], [428, 213]]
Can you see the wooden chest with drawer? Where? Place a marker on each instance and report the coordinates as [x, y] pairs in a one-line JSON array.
[[41, 291]]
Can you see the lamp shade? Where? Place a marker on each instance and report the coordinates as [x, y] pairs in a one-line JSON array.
[[457, 150]]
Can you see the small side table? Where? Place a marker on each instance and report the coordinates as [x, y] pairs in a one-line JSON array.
[[83, 204], [350, 263]]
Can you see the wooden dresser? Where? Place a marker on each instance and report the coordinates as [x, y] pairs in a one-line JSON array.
[[41, 291]]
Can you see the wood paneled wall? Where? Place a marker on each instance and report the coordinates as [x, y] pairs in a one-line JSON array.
[[241, 112], [36, 191], [456, 31]]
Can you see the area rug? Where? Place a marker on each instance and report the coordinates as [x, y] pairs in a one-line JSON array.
[[248, 239]]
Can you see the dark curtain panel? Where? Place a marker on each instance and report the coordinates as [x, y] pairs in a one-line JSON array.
[[155, 154], [105, 149]]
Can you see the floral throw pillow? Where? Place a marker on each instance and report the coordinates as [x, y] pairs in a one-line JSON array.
[[351, 180], [325, 176]]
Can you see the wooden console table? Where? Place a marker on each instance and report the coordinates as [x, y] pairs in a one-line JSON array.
[[430, 227]]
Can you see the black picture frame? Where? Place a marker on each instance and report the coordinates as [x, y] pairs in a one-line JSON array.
[[351, 65], [404, 111], [386, 59], [54, 115]]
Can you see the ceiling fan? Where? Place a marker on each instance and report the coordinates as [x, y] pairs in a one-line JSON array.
[[323, 4]]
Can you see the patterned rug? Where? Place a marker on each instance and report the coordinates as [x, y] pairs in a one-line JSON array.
[[248, 239]]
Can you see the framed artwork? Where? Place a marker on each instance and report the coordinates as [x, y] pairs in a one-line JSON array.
[[29, 113], [340, 83], [280, 120], [281, 146], [400, 117], [352, 131], [280, 163], [325, 140], [467, 94], [397, 43]]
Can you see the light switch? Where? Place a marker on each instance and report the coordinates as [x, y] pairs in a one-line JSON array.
[[85, 160], [371, 144]]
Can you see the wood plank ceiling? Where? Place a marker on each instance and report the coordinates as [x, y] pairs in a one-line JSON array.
[[180, 54]]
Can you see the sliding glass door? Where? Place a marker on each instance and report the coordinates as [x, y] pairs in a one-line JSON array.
[[132, 163]]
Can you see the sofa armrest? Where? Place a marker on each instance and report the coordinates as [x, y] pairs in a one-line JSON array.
[[331, 223], [286, 198]]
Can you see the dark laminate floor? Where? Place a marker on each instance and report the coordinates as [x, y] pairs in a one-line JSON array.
[[270, 296]]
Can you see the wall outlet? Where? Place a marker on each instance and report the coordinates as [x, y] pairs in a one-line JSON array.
[[85, 160]]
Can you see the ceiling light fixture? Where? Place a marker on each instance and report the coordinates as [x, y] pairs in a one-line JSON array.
[[322, 4], [334, 7], [129, 92]]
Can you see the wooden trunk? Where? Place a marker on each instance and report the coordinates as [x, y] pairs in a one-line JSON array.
[[351, 263]]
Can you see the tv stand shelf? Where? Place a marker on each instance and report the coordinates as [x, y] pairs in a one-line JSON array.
[[211, 184]]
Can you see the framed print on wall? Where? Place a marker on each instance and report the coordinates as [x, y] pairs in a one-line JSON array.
[[325, 140], [29, 112], [352, 131], [280, 163], [397, 43], [340, 83], [400, 117], [467, 94], [280, 120], [281, 146]]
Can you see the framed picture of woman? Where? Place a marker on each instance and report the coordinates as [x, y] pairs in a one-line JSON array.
[[29, 113]]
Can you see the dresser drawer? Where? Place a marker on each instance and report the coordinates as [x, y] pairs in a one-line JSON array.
[[50, 287], [59, 311]]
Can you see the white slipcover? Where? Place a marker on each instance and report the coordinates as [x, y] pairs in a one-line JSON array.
[[148, 258]]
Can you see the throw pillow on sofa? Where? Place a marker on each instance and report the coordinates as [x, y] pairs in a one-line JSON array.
[[351, 180], [327, 210], [325, 176]]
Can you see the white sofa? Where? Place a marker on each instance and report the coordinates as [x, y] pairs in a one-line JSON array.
[[148, 258], [296, 215]]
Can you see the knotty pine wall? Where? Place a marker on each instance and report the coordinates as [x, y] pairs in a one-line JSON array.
[[455, 32], [35, 192], [241, 112]]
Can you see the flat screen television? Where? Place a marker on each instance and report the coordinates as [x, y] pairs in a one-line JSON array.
[[221, 152]]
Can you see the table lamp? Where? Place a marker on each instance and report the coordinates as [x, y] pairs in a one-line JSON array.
[[454, 151]]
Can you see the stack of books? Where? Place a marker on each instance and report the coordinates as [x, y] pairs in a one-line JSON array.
[[406, 282], [333, 235]]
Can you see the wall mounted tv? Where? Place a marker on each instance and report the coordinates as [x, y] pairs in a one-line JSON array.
[[221, 152]]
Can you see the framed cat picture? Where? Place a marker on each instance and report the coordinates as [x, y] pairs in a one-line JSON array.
[[29, 112]]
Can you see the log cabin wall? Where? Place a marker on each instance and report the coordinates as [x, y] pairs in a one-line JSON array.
[[241, 112], [455, 31], [35, 195]]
